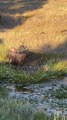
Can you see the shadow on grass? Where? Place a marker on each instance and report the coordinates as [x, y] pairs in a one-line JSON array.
[[13, 7], [8, 22], [60, 49], [22, 5]]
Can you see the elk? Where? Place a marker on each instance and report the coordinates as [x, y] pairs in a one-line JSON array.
[[15, 57]]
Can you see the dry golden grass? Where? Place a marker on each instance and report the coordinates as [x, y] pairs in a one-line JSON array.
[[41, 29]]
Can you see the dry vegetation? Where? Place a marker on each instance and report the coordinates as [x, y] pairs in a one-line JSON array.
[[39, 24]]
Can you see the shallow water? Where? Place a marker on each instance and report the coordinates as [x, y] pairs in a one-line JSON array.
[[42, 96]]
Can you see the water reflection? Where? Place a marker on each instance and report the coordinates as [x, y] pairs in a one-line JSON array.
[[20, 88]]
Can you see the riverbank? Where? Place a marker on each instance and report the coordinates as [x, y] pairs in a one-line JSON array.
[[14, 111], [44, 101]]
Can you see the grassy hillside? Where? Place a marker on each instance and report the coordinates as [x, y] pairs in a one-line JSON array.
[[39, 24]]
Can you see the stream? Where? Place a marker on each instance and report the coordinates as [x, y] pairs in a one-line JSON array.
[[50, 97]]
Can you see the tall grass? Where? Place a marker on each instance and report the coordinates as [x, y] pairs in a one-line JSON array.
[[50, 70], [13, 109], [9, 74], [41, 116]]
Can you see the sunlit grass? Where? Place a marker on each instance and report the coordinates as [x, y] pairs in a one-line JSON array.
[[44, 26], [40, 28], [51, 70]]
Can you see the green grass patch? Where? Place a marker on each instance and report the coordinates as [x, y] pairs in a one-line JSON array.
[[41, 116], [52, 69], [13, 109], [10, 74], [60, 93]]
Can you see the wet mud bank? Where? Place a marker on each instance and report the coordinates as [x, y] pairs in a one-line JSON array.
[[50, 97]]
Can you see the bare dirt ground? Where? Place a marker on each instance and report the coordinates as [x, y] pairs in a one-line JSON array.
[[41, 25]]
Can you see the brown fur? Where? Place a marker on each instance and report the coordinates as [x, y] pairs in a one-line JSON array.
[[15, 58]]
